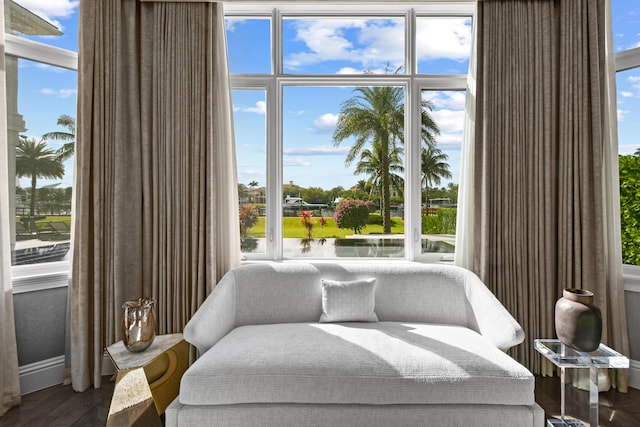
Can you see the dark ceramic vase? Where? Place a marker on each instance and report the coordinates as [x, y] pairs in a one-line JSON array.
[[578, 320]]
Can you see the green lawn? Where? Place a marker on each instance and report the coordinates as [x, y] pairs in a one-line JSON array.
[[64, 218], [294, 229]]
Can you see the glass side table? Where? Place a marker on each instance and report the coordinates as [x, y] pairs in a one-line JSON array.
[[566, 357]]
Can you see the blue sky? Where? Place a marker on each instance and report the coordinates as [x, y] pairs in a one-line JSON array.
[[314, 46], [46, 92], [336, 46], [626, 35]]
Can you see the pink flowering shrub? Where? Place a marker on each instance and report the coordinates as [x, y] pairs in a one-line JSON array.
[[353, 214], [248, 218]]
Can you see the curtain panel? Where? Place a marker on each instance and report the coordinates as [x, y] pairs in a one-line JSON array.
[[156, 206], [9, 378], [545, 147]]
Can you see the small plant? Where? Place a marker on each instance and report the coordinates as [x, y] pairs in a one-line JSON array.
[[248, 218], [353, 214], [307, 222]]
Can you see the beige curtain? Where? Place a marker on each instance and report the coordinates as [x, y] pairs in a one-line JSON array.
[[9, 380], [545, 164], [156, 210]]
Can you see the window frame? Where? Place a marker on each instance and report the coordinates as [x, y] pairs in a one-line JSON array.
[[627, 60], [46, 275], [412, 83]]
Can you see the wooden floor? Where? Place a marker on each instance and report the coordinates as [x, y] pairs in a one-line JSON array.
[[61, 406]]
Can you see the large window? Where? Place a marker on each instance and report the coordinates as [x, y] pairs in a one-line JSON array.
[[627, 46], [41, 108], [348, 127]]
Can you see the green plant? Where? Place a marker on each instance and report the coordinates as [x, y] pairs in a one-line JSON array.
[[353, 214], [630, 207], [248, 218], [443, 223]]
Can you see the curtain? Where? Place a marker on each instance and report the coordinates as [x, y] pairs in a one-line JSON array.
[[465, 215], [156, 207], [9, 379], [545, 164]]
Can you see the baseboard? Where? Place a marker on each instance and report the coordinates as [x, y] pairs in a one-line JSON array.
[[42, 374], [634, 374]]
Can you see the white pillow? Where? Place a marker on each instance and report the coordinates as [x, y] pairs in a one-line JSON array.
[[351, 301]]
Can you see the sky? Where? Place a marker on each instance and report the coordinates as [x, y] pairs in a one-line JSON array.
[[46, 92], [336, 46], [327, 46]]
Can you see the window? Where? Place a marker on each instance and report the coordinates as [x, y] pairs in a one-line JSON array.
[[627, 47], [41, 107], [328, 105]]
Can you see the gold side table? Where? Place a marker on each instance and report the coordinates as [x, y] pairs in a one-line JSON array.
[[148, 381]]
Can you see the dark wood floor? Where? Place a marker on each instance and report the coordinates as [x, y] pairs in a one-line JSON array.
[[61, 406]]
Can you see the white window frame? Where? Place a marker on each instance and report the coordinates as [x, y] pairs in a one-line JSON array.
[[627, 60], [412, 83], [45, 275]]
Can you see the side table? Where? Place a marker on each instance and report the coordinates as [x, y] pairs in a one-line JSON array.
[[566, 357], [148, 381]]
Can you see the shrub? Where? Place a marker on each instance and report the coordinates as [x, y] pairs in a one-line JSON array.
[[375, 219], [443, 223], [630, 207], [248, 218], [353, 214]]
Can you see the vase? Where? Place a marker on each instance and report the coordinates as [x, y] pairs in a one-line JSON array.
[[138, 324], [578, 321]]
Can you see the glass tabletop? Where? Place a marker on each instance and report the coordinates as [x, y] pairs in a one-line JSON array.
[[566, 357]]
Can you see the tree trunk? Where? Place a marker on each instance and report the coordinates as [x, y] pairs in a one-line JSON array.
[[386, 196], [32, 209]]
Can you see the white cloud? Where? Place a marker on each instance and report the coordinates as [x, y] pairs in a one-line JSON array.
[[296, 162], [349, 70], [449, 120], [60, 93], [251, 172], [326, 122], [322, 150], [449, 141], [628, 149], [259, 108], [622, 114], [634, 81], [369, 42], [231, 23], [443, 38], [297, 113], [51, 9], [626, 94], [446, 99]]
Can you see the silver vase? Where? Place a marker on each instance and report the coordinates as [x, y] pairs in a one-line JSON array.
[[138, 324]]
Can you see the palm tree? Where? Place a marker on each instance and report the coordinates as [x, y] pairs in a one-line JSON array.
[[376, 115], [370, 164], [67, 149], [434, 167], [35, 160]]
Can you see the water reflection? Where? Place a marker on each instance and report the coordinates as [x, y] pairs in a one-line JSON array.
[[377, 247]]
